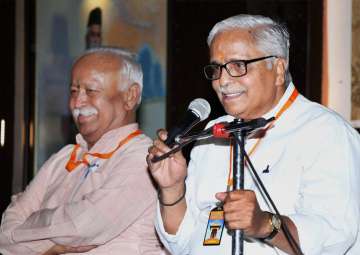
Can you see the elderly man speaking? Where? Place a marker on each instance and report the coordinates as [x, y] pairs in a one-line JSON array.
[[94, 197], [308, 159]]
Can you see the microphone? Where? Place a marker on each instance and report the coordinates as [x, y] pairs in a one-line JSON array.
[[198, 110], [225, 129], [219, 130]]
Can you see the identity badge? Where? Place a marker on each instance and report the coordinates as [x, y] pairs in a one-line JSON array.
[[214, 227]]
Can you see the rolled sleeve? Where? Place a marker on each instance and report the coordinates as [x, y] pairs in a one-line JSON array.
[[177, 244]]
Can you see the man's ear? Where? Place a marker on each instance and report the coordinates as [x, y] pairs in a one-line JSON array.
[[280, 71], [132, 96]]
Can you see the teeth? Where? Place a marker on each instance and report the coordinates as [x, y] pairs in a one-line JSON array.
[[85, 111], [233, 94], [86, 114]]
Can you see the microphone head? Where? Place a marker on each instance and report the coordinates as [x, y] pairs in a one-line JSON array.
[[200, 107]]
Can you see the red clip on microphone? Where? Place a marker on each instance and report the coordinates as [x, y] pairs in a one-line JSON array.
[[219, 130], [225, 129]]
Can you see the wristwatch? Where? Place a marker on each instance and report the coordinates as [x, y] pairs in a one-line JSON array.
[[275, 223]]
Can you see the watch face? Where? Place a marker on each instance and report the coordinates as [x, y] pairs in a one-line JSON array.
[[276, 222]]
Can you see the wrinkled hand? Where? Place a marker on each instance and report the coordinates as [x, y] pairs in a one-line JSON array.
[[62, 249], [242, 211], [169, 172]]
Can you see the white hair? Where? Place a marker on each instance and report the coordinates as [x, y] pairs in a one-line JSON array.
[[270, 37], [130, 67]]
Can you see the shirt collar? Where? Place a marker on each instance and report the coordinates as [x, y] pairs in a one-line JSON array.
[[109, 140], [289, 90]]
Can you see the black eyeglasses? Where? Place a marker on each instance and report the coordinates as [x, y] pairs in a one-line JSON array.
[[235, 68]]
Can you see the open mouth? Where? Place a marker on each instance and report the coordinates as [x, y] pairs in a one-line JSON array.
[[232, 95], [84, 118]]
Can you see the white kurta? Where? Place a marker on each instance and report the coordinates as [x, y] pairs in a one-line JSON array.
[[314, 177]]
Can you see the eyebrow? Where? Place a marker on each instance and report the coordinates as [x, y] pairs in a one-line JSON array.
[[214, 63], [74, 84], [91, 83], [230, 60]]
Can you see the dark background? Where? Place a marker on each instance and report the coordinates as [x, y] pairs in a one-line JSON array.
[[7, 44], [189, 23]]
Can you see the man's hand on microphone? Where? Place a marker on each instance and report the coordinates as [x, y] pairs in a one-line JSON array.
[[169, 174]]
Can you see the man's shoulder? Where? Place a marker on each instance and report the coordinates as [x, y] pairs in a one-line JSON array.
[[131, 158], [56, 161], [135, 148], [65, 151], [140, 142], [312, 113], [312, 119]]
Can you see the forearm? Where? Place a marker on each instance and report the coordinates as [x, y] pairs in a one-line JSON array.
[[25, 203], [71, 224], [285, 242], [172, 215], [8, 247], [95, 219], [61, 249], [15, 215]]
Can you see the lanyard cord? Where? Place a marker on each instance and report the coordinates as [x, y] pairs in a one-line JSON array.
[[73, 163], [286, 105]]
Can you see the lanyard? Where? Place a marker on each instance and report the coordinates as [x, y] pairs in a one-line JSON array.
[[73, 163], [286, 105]]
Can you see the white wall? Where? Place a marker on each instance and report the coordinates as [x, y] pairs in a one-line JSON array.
[[339, 16]]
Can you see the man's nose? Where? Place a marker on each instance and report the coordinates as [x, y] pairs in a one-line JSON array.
[[225, 77], [80, 99]]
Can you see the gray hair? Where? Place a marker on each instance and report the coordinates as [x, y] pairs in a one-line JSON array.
[[269, 36], [130, 68]]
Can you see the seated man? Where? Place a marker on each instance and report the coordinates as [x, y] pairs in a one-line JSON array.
[[94, 197]]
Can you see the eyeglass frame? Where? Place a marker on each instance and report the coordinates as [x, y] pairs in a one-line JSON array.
[[245, 61]]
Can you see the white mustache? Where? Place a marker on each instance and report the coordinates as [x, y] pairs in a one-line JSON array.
[[231, 89], [85, 111]]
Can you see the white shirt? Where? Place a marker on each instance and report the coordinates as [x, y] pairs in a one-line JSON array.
[[313, 178]]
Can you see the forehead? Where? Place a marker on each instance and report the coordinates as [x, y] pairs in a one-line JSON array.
[[233, 44], [101, 62], [97, 70]]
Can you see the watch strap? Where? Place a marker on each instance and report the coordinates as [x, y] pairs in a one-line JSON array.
[[274, 231]]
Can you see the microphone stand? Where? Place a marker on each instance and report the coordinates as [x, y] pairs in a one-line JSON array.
[[238, 183], [239, 131], [240, 156]]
